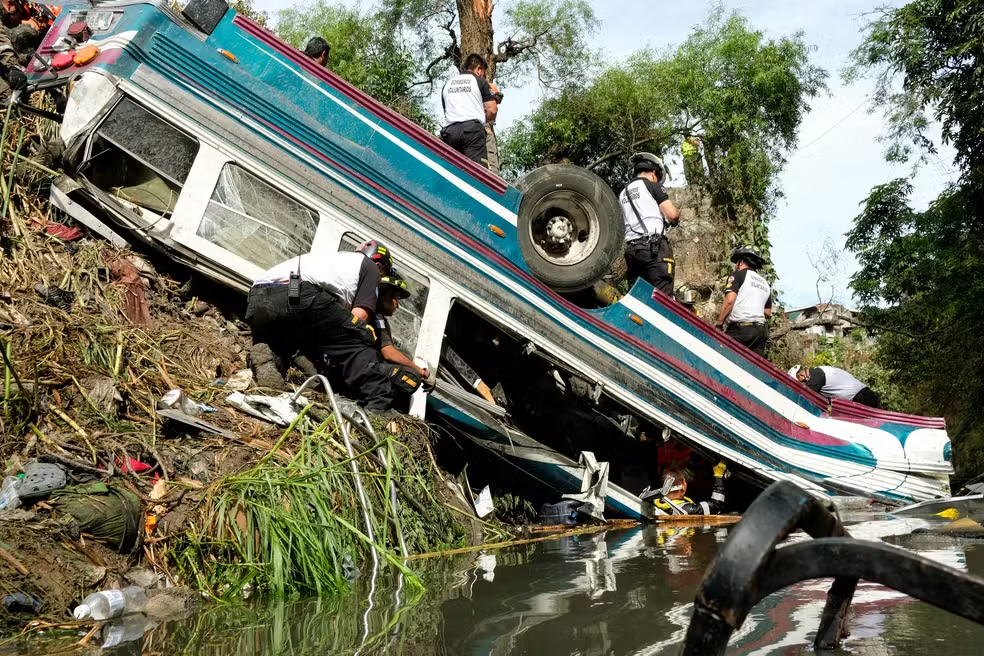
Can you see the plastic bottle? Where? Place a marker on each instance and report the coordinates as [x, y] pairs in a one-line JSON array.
[[107, 604], [9, 497]]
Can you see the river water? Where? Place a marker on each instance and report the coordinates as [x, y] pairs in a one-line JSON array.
[[618, 592]]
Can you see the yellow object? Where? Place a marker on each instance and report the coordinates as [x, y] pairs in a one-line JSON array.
[[688, 148], [86, 55], [719, 469], [228, 55], [949, 513]]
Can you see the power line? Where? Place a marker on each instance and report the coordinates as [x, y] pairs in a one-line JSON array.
[[832, 127]]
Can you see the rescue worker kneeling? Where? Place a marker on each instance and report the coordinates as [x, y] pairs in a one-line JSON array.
[[403, 373], [322, 306], [673, 497]]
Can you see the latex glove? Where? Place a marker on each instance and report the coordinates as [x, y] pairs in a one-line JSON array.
[[720, 469]]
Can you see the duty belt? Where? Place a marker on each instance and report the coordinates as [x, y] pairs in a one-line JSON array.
[[749, 323], [646, 240]]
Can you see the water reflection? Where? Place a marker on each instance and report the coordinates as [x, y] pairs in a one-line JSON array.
[[621, 592]]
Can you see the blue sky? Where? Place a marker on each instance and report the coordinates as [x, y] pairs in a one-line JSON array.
[[839, 159]]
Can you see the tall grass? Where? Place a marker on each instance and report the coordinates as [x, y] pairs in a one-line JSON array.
[[293, 524]]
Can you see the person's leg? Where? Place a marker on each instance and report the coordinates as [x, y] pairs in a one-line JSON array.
[[740, 334], [473, 142], [270, 354], [867, 397], [760, 339], [659, 268], [492, 148], [349, 350]]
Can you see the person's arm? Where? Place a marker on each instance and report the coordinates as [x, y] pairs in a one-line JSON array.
[[817, 379], [488, 99], [666, 206], [735, 281], [392, 354], [364, 300]]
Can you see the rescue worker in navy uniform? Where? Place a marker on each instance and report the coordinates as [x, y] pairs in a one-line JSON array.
[[404, 374], [647, 212], [328, 320], [836, 383], [469, 103], [747, 301]]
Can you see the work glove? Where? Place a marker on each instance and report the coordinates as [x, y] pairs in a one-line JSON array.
[[365, 331], [720, 469], [16, 79]]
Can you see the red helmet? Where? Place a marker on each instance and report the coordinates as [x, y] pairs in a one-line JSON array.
[[377, 252]]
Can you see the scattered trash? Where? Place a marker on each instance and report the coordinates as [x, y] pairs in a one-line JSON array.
[[563, 512], [108, 604], [56, 297], [63, 232], [350, 572], [108, 513], [135, 309], [142, 576], [10, 493], [132, 465], [483, 502], [40, 479], [240, 381], [19, 602], [176, 399], [275, 409], [103, 394], [194, 422]]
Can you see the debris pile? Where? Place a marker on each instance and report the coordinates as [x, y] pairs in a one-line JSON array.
[[129, 451]]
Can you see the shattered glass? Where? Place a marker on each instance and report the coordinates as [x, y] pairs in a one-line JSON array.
[[149, 140], [251, 219]]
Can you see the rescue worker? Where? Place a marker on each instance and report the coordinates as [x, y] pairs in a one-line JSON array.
[[469, 105], [675, 501], [322, 306], [26, 24], [835, 383], [491, 142], [404, 374], [747, 301], [647, 212], [318, 50], [687, 298]]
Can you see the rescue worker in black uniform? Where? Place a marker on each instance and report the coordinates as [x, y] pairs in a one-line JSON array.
[[404, 374], [747, 301], [676, 502], [647, 212], [322, 306]]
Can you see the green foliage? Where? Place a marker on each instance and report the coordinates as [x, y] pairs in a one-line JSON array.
[[926, 59], [367, 49], [247, 8], [921, 278], [743, 94]]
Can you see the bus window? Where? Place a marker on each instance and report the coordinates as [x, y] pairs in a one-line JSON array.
[[249, 218]]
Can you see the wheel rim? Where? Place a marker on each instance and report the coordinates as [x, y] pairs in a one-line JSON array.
[[564, 227]]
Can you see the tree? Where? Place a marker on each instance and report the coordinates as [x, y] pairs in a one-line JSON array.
[[367, 49], [743, 94], [545, 37], [920, 276]]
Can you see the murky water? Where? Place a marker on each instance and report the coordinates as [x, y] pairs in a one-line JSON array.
[[620, 592]]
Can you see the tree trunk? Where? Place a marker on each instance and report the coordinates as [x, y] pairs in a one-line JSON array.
[[475, 22]]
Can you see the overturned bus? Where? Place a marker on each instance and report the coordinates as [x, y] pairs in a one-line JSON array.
[[202, 135]]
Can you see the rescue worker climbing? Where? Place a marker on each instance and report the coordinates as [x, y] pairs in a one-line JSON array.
[[747, 301], [469, 105], [491, 141], [322, 306], [672, 497], [647, 212], [404, 374], [835, 383], [687, 297]]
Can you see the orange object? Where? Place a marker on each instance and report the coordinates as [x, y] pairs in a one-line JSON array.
[[63, 60], [86, 55], [228, 55], [497, 231], [637, 319], [150, 523]]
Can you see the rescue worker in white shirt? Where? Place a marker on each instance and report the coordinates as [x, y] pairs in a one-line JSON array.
[[747, 301], [647, 212], [405, 375], [469, 104], [321, 306], [836, 383]]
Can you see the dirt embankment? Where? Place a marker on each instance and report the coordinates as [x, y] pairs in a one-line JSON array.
[[93, 337]]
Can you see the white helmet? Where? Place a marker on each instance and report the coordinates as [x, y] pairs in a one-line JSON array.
[[794, 370]]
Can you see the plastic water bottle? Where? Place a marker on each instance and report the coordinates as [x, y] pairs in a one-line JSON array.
[[107, 604], [9, 496]]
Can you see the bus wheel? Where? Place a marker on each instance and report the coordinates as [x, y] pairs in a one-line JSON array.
[[570, 226]]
